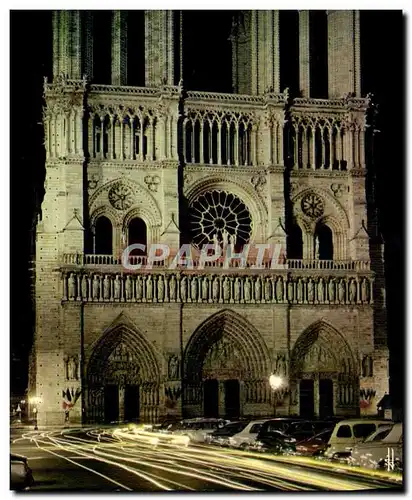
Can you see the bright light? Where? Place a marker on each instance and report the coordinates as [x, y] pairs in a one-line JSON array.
[[275, 381]]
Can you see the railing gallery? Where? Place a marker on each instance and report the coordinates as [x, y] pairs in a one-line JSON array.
[[134, 260], [212, 288]]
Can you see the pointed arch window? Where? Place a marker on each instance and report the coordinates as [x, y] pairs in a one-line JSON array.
[[323, 242], [295, 242], [137, 233], [103, 236]]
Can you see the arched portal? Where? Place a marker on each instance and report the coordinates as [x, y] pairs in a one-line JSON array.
[[323, 375], [103, 234], [226, 369], [122, 378]]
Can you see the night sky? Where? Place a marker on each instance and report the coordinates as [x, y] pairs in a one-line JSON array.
[[207, 67]]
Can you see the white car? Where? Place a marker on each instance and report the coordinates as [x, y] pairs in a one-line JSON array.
[[248, 436], [373, 452], [348, 433], [198, 428]]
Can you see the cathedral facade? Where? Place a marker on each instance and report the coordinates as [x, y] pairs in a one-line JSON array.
[[140, 335]]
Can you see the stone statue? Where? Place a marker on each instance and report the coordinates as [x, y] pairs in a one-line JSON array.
[[225, 236], [279, 289], [72, 286], [96, 287], [268, 290], [215, 241], [352, 291], [226, 289], [72, 368], [172, 288], [331, 290], [290, 290], [342, 291], [232, 240], [139, 291], [215, 290], [205, 288], [316, 247], [117, 287], [193, 288], [246, 290], [299, 291], [160, 289], [84, 286], [321, 292], [311, 290], [173, 367], [236, 289], [129, 288], [149, 288], [183, 289], [257, 289], [364, 291], [106, 288]]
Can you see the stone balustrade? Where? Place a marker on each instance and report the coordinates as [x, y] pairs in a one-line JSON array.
[[215, 288], [235, 264]]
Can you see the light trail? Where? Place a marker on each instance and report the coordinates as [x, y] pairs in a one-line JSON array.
[[169, 464]]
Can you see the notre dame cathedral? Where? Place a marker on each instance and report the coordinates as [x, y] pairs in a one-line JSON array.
[[149, 160]]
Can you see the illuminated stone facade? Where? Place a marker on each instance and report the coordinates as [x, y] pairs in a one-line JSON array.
[[137, 164]]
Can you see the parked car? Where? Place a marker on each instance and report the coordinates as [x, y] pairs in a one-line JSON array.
[[373, 452], [247, 436], [21, 475], [198, 428], [307, 429], [347, 433], [314, 445], [273, 441], [221, 436]]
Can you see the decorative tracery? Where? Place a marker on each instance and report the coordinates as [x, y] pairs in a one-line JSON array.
[[220, 217]]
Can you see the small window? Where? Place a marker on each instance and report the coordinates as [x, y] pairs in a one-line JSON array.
[[344, 431], [255, 428], [381, 435], [363, 430]]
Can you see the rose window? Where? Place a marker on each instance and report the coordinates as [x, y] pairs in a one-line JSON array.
[[312, 205], [220, 216], [121, 196]]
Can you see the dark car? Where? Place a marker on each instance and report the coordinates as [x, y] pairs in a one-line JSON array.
[[21, 476], [221, 436], [314, 445], [274, 437]]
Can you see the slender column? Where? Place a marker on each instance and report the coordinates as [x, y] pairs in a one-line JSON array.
[[131, 152], [210, 142], [350, 143], [149, 139], [122, 137], [323, 162], [61, 127], [275, 143], [219, 143], [102, 137], [67, 133], [296, 159], [254, 131], [237, 145], [338, 147], [111, 151], [193, 142], [270, 142], [314, 147], [331, 148], [362, 148], [141, 138], [228, 143], [184, 140], [201, 143], [304, 53]]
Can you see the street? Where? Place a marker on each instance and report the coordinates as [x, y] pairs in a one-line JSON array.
[[129, 459]]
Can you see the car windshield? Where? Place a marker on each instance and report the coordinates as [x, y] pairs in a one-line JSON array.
[[378, 435]]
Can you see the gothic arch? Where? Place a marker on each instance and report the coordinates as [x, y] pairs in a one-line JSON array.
[[243, 190], [138, 198], [329, 339], [142, 354], [105, 211], [245, 338], [146, 216]]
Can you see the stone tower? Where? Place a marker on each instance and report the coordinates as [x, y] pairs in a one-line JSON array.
[[162, 164]]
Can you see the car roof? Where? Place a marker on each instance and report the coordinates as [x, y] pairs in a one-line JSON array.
[[364, 421]]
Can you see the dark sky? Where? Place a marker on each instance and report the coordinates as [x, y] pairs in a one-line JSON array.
[[207, 67]]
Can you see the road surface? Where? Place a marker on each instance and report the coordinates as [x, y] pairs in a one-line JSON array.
[[130, 459]]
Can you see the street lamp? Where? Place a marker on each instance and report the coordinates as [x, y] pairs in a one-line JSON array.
[[275, 383], [35, 401]]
